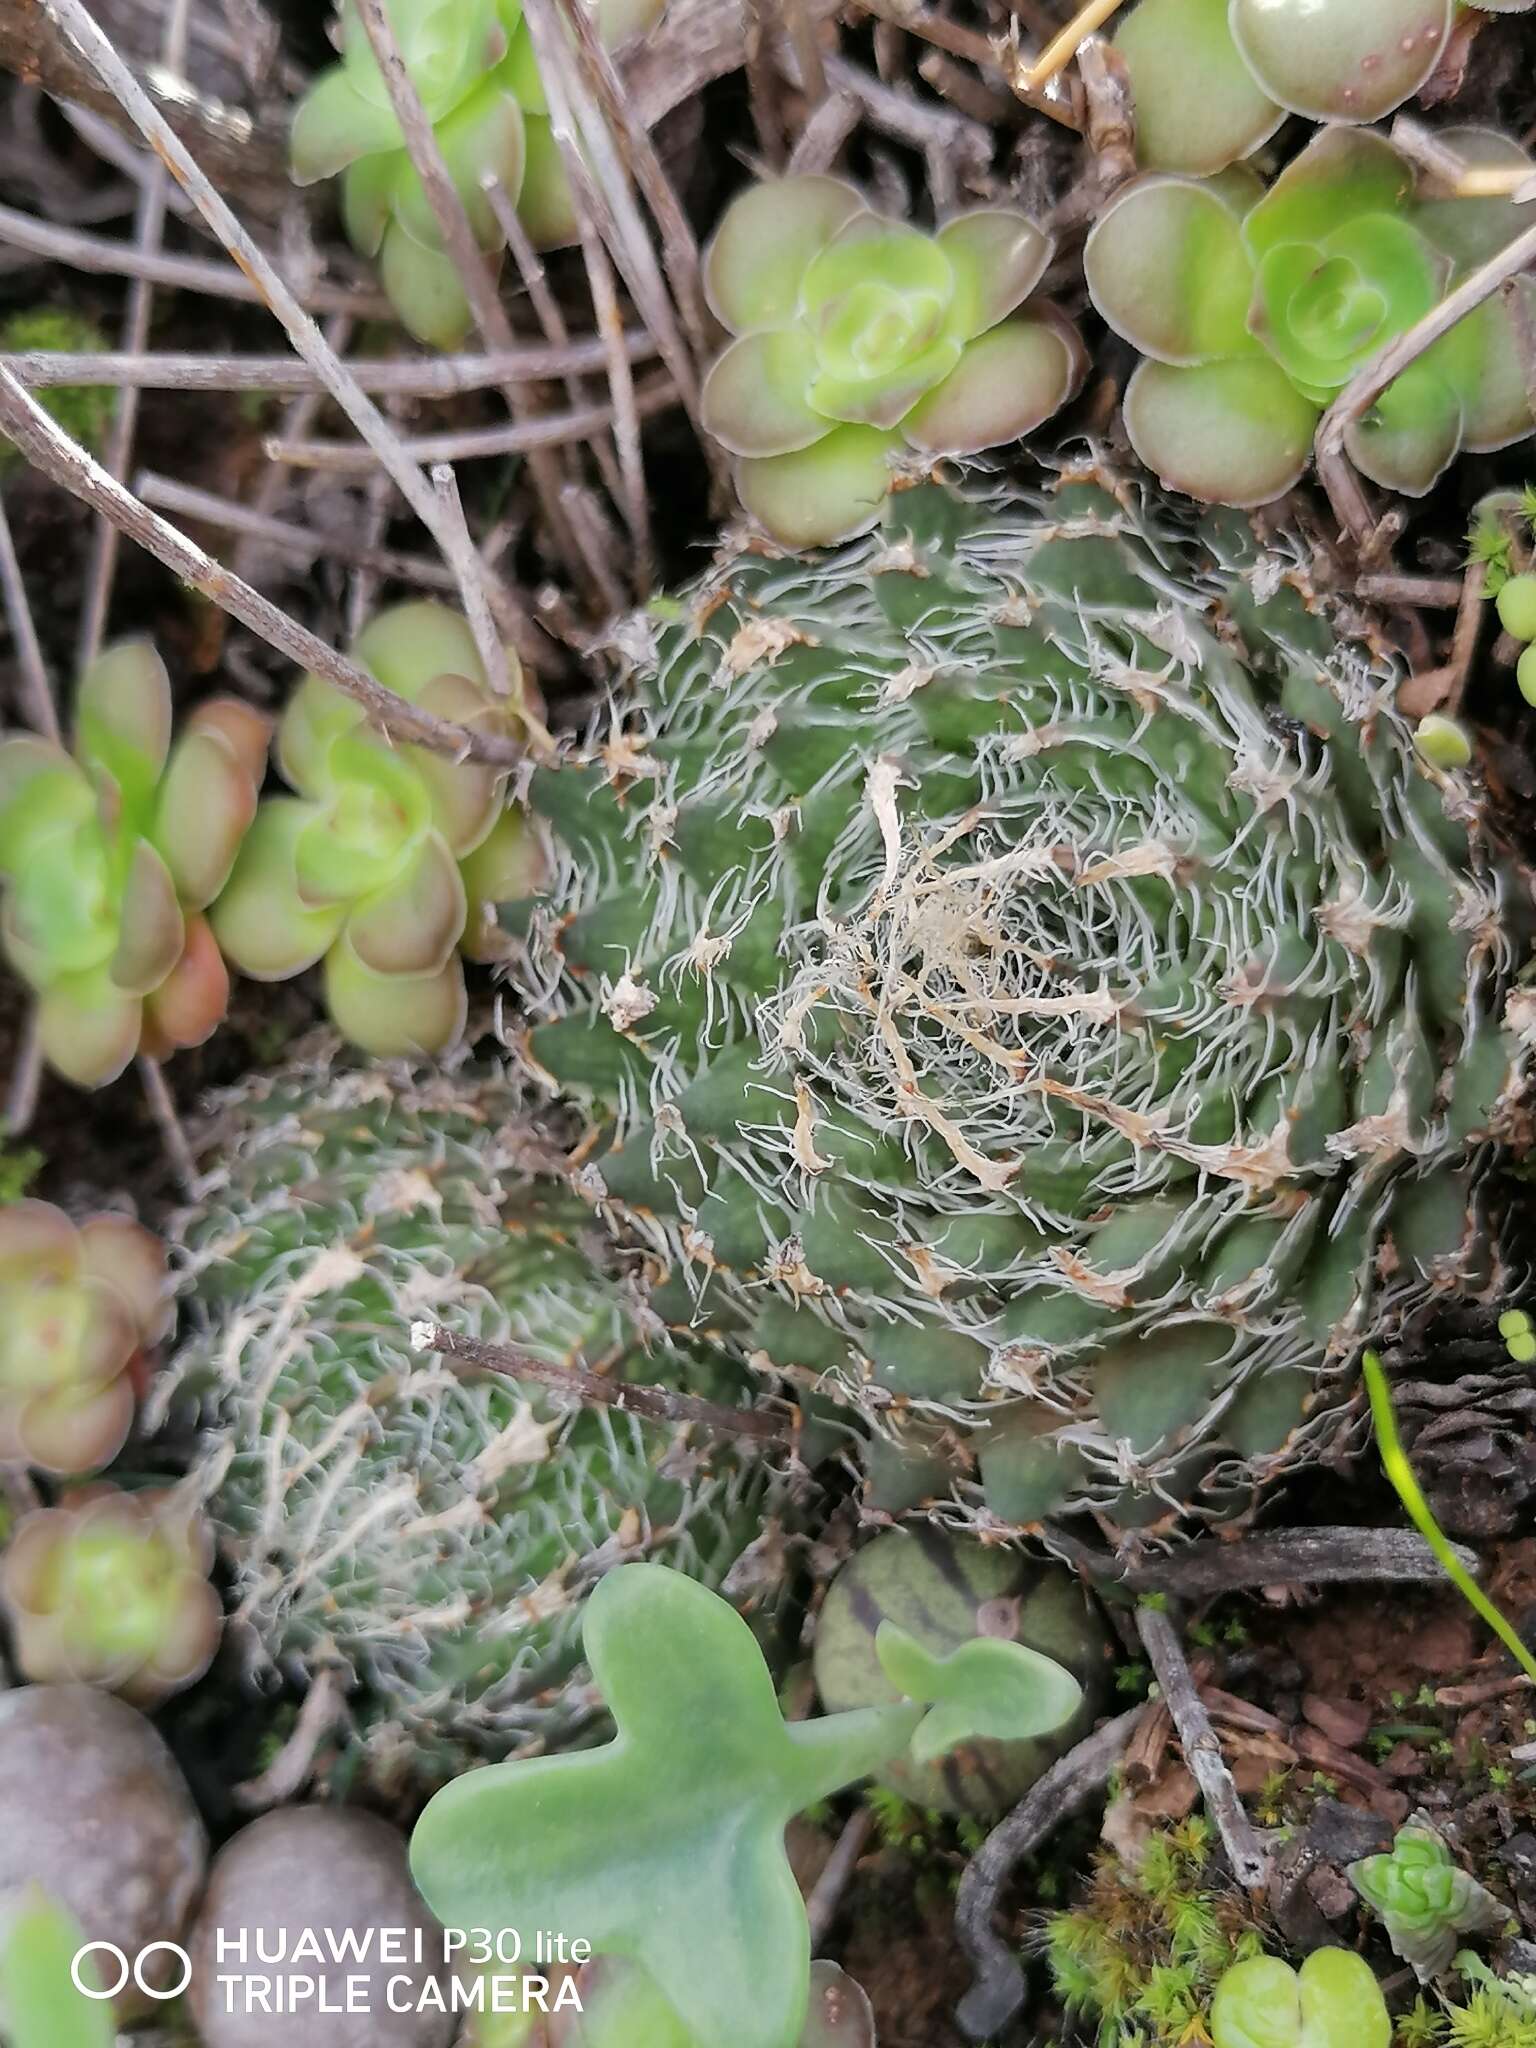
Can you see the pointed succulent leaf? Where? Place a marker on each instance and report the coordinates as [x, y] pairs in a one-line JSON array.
[[480, 139], [334, 125], [190, 1004], [203, 810], [41, 792], [756, 397], [987, 1688], [1234, 433], [88, 1027], [368, 189], [123, 717], [447, 46], [1180, 55], [1005, 384], [546, 205], [827, 492], [424, 288], [40, 2004], [1334, 62], [152, 930], [719, 1926], [1166, 267], [394, 1016], [765, 243], [1425, 1900], [998, 256], [262, 924]]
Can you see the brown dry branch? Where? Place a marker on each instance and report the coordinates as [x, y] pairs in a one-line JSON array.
[[1441, 689], [50, 450], [1431, 593], [301, 330], [661, 1404], [411, 377], [984, 52], [490, 318], [626, 416], [1366, 386], [998, 1990], [1202, 1747], [167, 1123], [106, 256], [243, 154], [1286, 1557], [293, 1766], [827, 1892], [696, 42], [36, 688], [821, 141]]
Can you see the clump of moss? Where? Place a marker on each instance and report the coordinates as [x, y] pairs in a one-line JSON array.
[[84, 411], [1497, 2012], [1141, 1953]]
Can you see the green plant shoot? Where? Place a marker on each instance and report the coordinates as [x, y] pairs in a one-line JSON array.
[[1395, 1460], [41, 2006]]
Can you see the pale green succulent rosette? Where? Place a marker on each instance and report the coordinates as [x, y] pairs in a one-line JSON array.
[[472, 64], [1427, 1903], [368, 866], [111, 852], [860, 339], [1255, 312], [1245, 64]]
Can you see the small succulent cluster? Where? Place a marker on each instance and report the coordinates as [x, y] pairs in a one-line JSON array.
[[1516, 604], [1425, 1900], [112, 1588], [472, 64], [383, 861], [1255, 308], [1213, 79], [79, 1308], [112, 853], [429, 1533], [860, 339], [1036, 987]]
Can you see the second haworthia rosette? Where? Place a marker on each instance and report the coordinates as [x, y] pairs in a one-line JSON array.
[[110, 855], [473, 67], [1254, 309], [860, 339], [1425, 1899], [111, 1588], [78, 1308], [382, 861]]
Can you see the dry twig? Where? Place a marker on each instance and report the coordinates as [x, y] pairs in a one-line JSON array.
[[1202, 1748]]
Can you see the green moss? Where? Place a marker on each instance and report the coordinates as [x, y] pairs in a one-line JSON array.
[[84, 411]]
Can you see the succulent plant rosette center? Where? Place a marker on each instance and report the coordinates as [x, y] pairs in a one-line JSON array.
[[473, 67], [382, 860], [861, 339], [1002, 1015], [1255, 309], [111, 854], [77, 1308]]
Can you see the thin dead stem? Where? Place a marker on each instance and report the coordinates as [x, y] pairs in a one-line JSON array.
[[626, 416], [38, 691], [177, 1151]]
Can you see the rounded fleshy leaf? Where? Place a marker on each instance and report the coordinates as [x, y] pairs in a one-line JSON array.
[[1198, 106], [41, 789], [507, 866], [1232, 433], [317, 715], [123, 716], [38, 1243], [1472, 230], [447, 45], [755, 397], [765, 243], [465, 796], [518, 72], [412, 926], [423, 286], [394, 1016], [125, 1256], [406, 645], [904, 262], [76, 1429], [1498, 406], [482, 137], [1350, 62], [546, 205], [368, 190], [88, 1027], [1321, 311], [246, 731], [152, 930], [1166, 267], [998, 256], [260, 921], [190, 1004], [203, 810], [1342, 173], [187, 1644], [360, 837], [1004, 385], [60, 915], [1411, 434], [334, 125], [823, 493]]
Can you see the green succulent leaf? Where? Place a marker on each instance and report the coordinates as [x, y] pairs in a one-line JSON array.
[[40, 2004], [1167, 268], [1333, 2001], [829, 491], [394, 1016], [666, 1853], [1342, 174], [998, 256], [1180, 55], [1412, 432], [1006, 383], [985, 1688], [756, 398], [1354, 62], [334, 126], [1236, 432], [1425, 1900], [764, 244], [1472, 230]]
